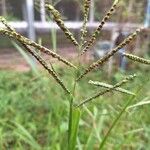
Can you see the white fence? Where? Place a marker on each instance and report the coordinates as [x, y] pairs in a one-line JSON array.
[[47, 26]]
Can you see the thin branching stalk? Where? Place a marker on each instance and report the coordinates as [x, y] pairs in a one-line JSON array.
[[98, 30], [124, 81], [58, 19], [37, 56], [13, 34], [108, 86], [45, 65], [106, 57], [86, 13], [115, 122], [102, 144], [43, 49], [137, 59]]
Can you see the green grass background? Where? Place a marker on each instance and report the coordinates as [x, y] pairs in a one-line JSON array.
[[34, 112]]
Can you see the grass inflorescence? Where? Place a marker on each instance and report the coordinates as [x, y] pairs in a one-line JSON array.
[[72, 88]]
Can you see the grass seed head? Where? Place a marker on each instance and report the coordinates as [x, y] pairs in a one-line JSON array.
[[58, 19], [137, 59], [124, 81], [98, 30], [86, 13], [107, 86], [46, 66], [27, 41], [106, 57]]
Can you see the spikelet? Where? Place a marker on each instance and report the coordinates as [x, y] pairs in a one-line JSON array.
[[26, 41], [3, 20], [104, 85], [124, 81], [58, 19], [86, 13], [137, 59], [98, 30], [45, 65], [110, 54]]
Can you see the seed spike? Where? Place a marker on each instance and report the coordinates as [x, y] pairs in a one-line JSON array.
[[43, 49], [124, 81], [12, 32], [106, 57], [98, 30], [3, 20], [86, 13], [45, 65], [58, 19], [106, 86], [137, 59]]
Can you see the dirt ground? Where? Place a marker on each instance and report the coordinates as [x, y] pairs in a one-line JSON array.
[[10, 59]]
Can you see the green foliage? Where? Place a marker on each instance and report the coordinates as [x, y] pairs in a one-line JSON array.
[[39, 115]]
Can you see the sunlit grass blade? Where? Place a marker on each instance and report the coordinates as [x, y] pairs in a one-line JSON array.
[[104, 85], [135, 131], [136, 59], [142, 103], [28, 58]]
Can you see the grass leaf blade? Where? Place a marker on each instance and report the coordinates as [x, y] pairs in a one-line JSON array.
[[76, 113], [28, 59]]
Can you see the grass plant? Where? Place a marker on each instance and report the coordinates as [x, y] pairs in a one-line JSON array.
[[73, 90]]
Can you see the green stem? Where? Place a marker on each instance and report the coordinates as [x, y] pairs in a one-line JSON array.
[[115, 122], [71, 106], [70, 120]]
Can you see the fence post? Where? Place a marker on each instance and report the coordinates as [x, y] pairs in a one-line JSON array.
[[147, 19], [30, 19], [92, 11], [42, 11]]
